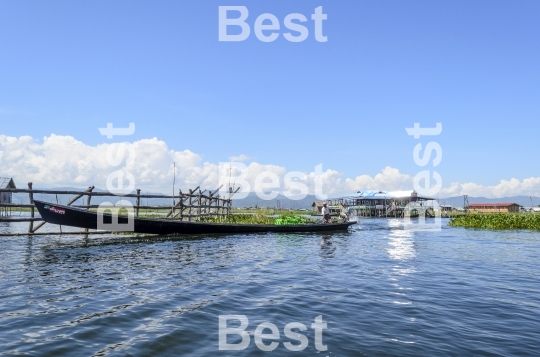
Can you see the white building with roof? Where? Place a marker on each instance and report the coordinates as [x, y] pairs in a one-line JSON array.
[[369, 203]]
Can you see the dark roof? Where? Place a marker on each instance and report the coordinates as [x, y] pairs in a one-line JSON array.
[[492, 204], [7, 182]]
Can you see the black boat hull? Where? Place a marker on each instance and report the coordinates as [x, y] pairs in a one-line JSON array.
[[82, 218]]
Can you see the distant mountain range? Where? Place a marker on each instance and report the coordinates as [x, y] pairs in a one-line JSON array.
[[252, 200]]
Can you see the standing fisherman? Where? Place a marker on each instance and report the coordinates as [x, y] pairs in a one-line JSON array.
[[326, 213]]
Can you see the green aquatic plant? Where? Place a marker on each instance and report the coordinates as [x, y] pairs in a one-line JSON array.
[[497, 221], [259, 218], [240, 219], [289, 219]]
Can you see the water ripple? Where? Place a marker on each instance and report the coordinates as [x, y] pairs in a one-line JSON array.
[[381, 289]]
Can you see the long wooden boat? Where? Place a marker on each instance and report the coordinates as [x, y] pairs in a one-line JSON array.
[[83, 218]]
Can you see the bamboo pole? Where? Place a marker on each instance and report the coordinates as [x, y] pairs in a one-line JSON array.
[[182, 207], [199, 204], [21, 219], [31, 196], [138, 202], [181, 203], [215, 199], [88, 199], [210, 201], [189, 212], [102, 194]]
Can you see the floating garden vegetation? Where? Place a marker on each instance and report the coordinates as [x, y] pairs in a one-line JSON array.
[[241, 219], [289, 219], [497, 221], [262, 216], [259, 218]]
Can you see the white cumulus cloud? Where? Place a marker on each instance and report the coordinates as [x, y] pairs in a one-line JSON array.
[[65, 161], [239, 158], [513, 187]]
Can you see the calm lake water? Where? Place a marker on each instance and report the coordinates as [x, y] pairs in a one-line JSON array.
[[382, 290]]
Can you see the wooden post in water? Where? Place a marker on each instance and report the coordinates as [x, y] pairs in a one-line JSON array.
[[181, 204], [218, 202], [218, 207], [138, 202], [223, 202], [31, 196], [88, 199], [190, 202], [213, 211], [209, 204], [206, 201], [199, 205]]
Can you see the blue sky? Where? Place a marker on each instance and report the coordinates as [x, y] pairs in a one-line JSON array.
[[70, 67]]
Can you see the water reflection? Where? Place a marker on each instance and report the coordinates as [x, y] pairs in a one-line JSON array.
[[401, 242], [290, 238], [327, 247]]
